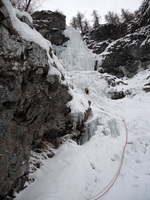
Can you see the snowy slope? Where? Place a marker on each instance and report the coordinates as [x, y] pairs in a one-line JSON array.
[[81, 172]]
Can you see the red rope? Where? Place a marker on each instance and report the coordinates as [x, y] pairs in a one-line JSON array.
[[109, 186]]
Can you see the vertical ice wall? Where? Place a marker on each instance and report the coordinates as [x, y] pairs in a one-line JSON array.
[[74, 54]]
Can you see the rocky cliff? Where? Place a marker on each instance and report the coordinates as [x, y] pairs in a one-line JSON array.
[[33, 98], [124, 48], [51, 25]]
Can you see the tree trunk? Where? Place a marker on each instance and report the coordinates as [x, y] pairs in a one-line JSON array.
[[28, 4]]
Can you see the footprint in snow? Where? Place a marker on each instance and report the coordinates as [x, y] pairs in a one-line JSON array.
[[116, 157]]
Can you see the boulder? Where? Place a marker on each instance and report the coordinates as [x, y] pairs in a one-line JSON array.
[[117, 94], [52, 19]]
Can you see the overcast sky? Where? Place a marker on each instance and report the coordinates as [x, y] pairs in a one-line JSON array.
[[71, 7]]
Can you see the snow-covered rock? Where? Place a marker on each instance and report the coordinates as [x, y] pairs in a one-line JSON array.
[[125, 56], [51, 25], [122, 49]]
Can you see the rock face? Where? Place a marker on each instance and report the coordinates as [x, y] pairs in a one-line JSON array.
[[108, 31], [32, 104], [51, 25], [100, 37], [143, 15], [127, 55], [122, 49]]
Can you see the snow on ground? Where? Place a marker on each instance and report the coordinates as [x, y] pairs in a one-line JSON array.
[[134, 180], [80, 172]]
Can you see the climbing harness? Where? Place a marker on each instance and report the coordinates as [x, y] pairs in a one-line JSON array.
[[109, 186]]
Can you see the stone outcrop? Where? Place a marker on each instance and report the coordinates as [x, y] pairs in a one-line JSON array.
[[143, 15], [108, 31], [122, 49], [100, 37], [127, 55], [51, 25]]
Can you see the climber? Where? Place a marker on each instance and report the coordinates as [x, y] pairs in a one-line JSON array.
[[87, 90], [89, 102]]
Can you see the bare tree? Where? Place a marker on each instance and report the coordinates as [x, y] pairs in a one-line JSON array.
[[80, 18], [27, 5], [112, 18], [74, 23], [78, 22], [96, 18], [86, 25], [126, 16]]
